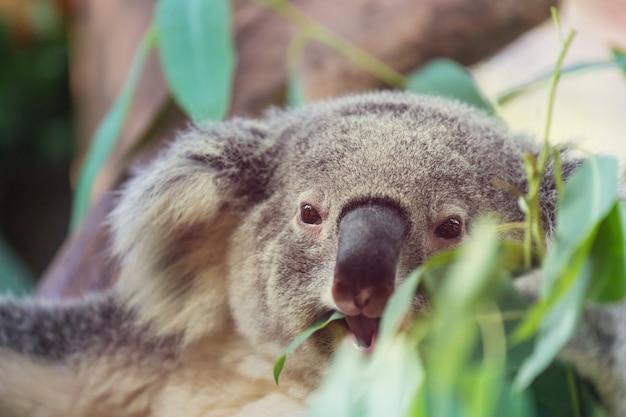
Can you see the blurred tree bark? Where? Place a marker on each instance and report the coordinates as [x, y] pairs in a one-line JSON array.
[[402, 33]]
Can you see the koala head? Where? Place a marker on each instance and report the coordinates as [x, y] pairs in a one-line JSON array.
[[270, 225]]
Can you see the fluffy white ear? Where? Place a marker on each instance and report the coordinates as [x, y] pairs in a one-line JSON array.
[[172, 226]]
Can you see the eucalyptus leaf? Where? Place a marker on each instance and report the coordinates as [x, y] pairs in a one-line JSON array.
[[197, 54], [453, 340], [556, 327], [619, 56], [381, 384], [295, 93], [295, 51], [588, 199], [399, 305], [280, 363], [339, 392], [473, 272], [558, 393], [608, 258], [444, 77]]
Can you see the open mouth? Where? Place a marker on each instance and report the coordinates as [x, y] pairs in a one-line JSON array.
[[364, 331]]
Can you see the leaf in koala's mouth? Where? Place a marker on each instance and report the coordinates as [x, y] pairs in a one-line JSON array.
[[278, 366], [364, 330]]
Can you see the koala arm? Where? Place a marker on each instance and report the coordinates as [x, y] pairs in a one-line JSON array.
[[597, 349], [76, 357], [54, 331]]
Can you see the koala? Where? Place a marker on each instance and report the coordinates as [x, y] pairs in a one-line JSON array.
[[241, 235]]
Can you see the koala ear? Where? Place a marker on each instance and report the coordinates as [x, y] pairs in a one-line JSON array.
[[548, 195], [172, 226]]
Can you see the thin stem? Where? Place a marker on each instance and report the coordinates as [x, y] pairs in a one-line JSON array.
[[557, 21], [535, 168], [556, 75], [506, 227], [572, 388]]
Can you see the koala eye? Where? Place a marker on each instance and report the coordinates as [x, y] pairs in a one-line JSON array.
[[450, 228], [309, 215]]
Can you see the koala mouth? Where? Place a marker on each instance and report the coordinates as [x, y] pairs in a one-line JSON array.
[[364, 330]]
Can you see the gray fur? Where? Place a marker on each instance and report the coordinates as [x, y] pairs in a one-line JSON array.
[[213, 252], [58, 331]]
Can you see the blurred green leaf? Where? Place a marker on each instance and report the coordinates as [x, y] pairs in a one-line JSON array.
[[381, 384], [553, 395], [608, 258], [295, 50], [452, 342], [444, 77], [340, 388], [197, 54], [588, 198], [295, 95], [619, 57], [14, 277], [399, 305], [108, 131], [472, 274]]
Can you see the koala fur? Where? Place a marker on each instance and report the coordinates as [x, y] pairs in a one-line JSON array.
[[244, 233]]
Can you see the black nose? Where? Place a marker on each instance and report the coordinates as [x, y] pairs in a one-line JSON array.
[[370, 239]]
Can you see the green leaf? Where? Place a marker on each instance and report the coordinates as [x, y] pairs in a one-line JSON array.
[[108, 131], [444, 77], [587, 200], [608, 258], [556, 326], [295, 51], [280, 363], [555, 392], [381, 384], [295, 94], [399, 305], [473, 273], [197, 54], [619, 57], [452, 343]]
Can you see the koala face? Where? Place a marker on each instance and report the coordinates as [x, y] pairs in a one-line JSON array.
[[366, 188], [244, 233]]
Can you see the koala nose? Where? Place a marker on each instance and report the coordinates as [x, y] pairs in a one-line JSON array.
[[370, 238]]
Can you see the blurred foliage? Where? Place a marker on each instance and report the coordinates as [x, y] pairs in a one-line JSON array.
[[34, 96], [444, 77], [35, 122]]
